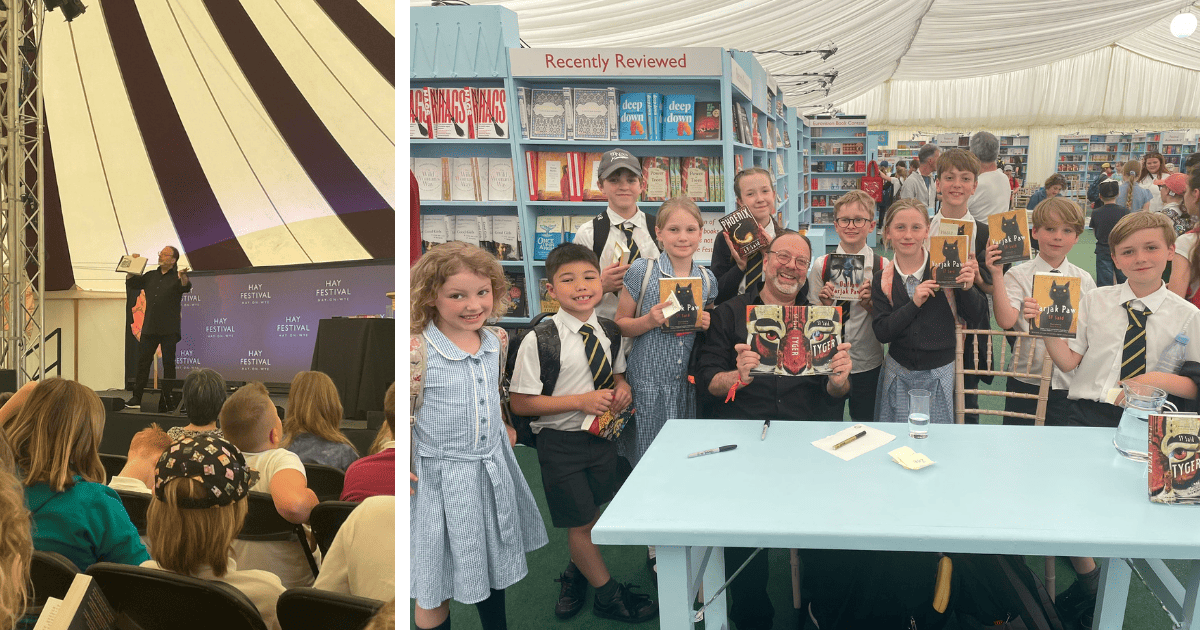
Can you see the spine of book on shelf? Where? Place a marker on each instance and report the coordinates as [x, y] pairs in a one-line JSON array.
[[523, 105], [480, 174], [531, 171], [575, 160], [486, 241], [569, 112], [614, 113]]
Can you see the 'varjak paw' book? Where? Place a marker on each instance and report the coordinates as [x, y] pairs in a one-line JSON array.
[[1010, 230], [686, 303], [793, 340], [1058, 303], [946, 256], [846, 272]]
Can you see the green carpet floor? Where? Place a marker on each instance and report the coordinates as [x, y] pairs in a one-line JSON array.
[[530, 602]]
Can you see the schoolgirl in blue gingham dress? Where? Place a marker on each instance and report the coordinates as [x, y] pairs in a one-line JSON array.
[[656, 368], [473, 518]]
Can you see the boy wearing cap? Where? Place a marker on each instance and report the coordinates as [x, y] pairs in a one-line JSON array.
[[252, 424], [1103, 220], [201, 485], [1172, 188], [622, 223]]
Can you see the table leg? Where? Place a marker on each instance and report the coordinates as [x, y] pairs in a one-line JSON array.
[[674, 576], [1191, 603], [1112, 595], [716, 616]]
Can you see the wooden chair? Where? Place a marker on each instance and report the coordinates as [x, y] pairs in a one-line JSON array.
[[1043, 373]]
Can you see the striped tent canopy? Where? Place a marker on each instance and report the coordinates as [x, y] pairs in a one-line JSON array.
[[247, 133]]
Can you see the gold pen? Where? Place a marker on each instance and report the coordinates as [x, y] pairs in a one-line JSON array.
[[849, 440]]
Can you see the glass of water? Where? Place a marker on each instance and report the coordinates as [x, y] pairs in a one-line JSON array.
[[918, 413]]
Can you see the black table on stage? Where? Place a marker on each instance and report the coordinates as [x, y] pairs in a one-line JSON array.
[[359, 354]]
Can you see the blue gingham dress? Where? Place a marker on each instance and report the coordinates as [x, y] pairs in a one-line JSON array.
[[656, 368], [473, 518]]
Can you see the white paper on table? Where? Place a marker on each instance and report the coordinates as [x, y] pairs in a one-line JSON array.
[[869, 442]]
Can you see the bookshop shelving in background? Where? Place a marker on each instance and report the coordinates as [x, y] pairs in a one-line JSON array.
[[1081, 156], [838, 150]]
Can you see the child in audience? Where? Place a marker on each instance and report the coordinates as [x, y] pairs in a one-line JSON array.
[[1103, 220], [1133, 194], [54, 427], [1057, 224], [473, 517], [579, 469], [375, 474], [144, 449], [917, 318], [362, 558], [755, 191], [1185, 270], [312, 428], [200, 501], [203, 394], [1170, 191], [620, 179], [252, 424], [853, 220], [16, 542]]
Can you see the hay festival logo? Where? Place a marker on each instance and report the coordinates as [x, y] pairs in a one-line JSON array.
[[186, 359], [256, 360], [333, 291], [255, 294], [190, 299], [219, 329], [293, 326]]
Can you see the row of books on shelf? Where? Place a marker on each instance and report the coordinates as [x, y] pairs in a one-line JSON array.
[[1071, 167], [1178, 149], [838, 166], [818, 132], [745, 130], [499, 234], [464, 113], [609, 113], [1072, 158], [838, 148], [464, 178], [1013, 150], [572, 176], [834, 183]]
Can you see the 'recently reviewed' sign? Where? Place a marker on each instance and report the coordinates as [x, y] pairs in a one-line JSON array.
[[603, 62]]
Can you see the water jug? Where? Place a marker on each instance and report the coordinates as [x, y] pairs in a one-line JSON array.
[[1133, 432]]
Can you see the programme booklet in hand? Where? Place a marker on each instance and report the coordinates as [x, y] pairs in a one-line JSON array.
[[744, 232], [793, 340], [846, 272], [1058, 302]]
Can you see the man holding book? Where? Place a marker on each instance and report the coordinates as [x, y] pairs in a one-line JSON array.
[[164, 286]]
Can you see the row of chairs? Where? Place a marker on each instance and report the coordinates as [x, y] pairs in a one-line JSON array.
[[160, 600], [325, 481]]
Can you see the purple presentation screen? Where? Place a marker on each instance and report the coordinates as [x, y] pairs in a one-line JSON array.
[[262, 326]]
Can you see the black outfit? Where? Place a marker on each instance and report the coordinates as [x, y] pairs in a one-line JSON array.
[[729, 276], [766, 397], [1103, 220], [160, 326], [1093, 191], [921, 337]]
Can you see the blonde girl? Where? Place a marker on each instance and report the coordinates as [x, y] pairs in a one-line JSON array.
[[755, 191], [312, 424], [917, 318], [54, 427], [1133, 195], [16, 544], [471, 499]]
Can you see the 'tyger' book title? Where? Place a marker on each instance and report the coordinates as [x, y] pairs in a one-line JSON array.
[[793, 340], [1174, 450]]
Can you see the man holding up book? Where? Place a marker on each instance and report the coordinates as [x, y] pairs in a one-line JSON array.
[[164, 287]]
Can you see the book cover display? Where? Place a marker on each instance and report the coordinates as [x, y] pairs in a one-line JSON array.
[[634, 116], [958, 227], [694, 178], [548, 235], [1058, 301], [1010, 230], [1173, 447], [946, 256], [491, 112], [420, 113], [430, 184], [547, 115], [516, 295], [553, 177], [708, 121], [793, 340], [847, 273], [656, 171], [685, 297], [744, 232], [679, 117], [454, 114], [591, 113], [506, 233]]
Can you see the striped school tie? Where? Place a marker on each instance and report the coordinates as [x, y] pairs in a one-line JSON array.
[[634, 252], [602, 376], [754, 269], [1133, 355]]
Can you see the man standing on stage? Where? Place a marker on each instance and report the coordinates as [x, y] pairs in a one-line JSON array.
[[164, 289]]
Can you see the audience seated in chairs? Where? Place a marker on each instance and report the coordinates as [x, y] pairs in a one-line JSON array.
[[361, 559], [137, 475], [312, 427], [203, 394], [54, 428], [326, 481], [152, 598], [251, 423], [16, 542], [327, 518], [304, 608], [201, 492], [375, 474]]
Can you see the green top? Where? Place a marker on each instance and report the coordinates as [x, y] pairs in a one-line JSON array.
[[87, 523]]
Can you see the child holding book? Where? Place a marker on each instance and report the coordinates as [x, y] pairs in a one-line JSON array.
[[854, 219], [917, 318], [1057, 224], [755, 191], [579, 469], [622, 225], [473, 517]]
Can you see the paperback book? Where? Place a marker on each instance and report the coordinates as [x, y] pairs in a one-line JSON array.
[[744, 232], [793, 340], [591, 176], [679, 117], [553, 177], [694, 178], [742, 124], [547, 302], [435, 230], [547, 115], [516, 295], [656, 171], [946, 256], [420, 113], [506, 233], [634, 119], [500, 180], [591, 113], [431, 185], [1174, 449], [491, 112], [1058, 301], [958, 227], [846, 272], [1010, 230], [708, 121], [686, 302], [548, 235]]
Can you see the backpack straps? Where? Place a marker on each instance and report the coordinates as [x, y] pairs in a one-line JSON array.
[[613, 332], [600, 228], [549, 350]]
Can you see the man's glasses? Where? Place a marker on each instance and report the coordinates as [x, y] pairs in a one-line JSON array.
[[786, 259], [847, 222]]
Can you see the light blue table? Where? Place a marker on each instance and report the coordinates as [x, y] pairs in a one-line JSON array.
[[993, 489]]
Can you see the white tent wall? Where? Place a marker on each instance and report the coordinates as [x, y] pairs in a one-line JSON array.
[[92, 325]]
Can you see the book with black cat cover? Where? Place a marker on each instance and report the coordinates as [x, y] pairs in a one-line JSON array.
[[846, 272], [957, 227], [1010, 230], [793, 340], [1058, 301], [744, 232], [1174, 450], [946, 256], [686, 302]]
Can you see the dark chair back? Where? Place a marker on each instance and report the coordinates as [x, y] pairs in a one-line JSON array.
[[50, 575], [112, 465], [154, 599], [136, 505], [327, 518], [263, 522], [325, 481], [305, 608]]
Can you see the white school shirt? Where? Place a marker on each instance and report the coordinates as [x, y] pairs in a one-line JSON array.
[[1101, 335], [261, 587], [914, 188], [769, 229], [361, 558], [866, 353], [574, 375], [1156, 202], [128, 484], [1018, 284], [992, 196], [284, 558], [642, 235]]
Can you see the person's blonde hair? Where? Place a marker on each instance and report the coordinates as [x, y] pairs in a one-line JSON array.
[[901, 171], [673, 205], [1135, 221], [387, 430], [855, 196], [441, 262], [1058, 210], [1129, 172], [246, 416], [16, 541], [184, 540], [383, 436], [313, 407], [385, 617], [151, 441], [898, 206], [56, 434]]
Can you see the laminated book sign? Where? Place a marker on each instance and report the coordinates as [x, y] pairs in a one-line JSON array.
[[685, 301], [1058, 302], [1010, 230], [1174, 450], [744, 232], [946, 256], [846, 272], [793, 340]]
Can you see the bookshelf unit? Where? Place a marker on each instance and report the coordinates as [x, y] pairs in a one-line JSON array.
[[1176, 147], [1072, 163], [833, 170], [1015, 150]]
